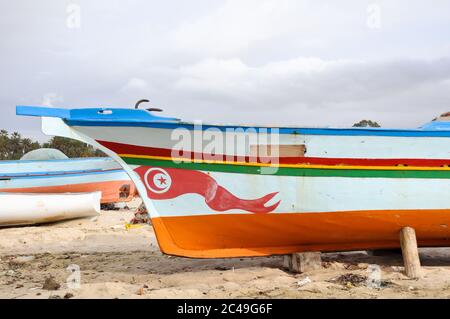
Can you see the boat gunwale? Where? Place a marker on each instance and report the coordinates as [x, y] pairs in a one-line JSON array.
[[144, 118], [78, 159], [51, 174], [294, 130]]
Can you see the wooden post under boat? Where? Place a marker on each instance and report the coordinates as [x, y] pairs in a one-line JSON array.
[[410, 253], [303, 262]]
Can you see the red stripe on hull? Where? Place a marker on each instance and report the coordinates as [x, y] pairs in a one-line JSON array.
[[120, 148]]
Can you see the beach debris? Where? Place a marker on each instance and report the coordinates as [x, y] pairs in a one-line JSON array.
[[10, 273], [304, 281], [118, 227], [129, 226], [141, 291], [108, 206], [121, 206], [351, 266], [68, 295], [51, 284], [141, 216], [21, 260], [336, 265], [115, 206], [355, 280], [223, 268], [350, 280]]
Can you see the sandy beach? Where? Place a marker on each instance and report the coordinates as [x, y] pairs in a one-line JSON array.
[[116, 262]]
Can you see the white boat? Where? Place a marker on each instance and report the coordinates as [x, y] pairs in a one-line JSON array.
[[29, 209]]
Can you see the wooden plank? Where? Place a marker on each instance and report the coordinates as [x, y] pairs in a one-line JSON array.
[[303, 262], [287, 262], [278, 150], [410, 253]]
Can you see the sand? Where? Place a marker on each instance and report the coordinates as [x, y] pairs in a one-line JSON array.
[[115, 262]]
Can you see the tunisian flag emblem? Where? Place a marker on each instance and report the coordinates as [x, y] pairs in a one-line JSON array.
[[170, 183]]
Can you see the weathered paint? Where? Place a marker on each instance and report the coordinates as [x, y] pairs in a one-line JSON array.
[[352, 189]]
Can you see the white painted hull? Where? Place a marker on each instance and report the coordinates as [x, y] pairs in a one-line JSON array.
[[29, 209], [317, 145]]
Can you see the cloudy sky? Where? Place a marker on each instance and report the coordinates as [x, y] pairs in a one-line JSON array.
[[309, 63]]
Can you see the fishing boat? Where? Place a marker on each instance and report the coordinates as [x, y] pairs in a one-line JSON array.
[[29, 209], [49, 171], [241, 190]]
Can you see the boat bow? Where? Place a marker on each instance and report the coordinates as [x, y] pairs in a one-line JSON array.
[[90, 115]]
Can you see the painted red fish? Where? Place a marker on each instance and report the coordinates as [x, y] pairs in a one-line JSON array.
[[170, 183]]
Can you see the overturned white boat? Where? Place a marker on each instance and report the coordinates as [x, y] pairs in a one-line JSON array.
[[29, 209]]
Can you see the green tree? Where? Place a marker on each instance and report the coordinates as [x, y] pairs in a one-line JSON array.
[[13, 146], [4, 138], [366, 123], [73, 148]]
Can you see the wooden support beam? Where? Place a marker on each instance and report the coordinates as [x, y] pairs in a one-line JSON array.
[[287, 262], [303, 262], [410, 252]]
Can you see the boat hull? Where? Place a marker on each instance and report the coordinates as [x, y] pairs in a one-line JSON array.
[[68, 176], [327, 189], [231, 235], [29, 209], [111, 191], [321, 203]]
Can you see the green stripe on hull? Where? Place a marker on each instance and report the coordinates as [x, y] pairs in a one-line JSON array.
[[291, 171]]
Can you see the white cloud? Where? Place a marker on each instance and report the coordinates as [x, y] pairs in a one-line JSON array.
[[311, 81], [266, 61], [50, 98], [134, 85], [236, 25]]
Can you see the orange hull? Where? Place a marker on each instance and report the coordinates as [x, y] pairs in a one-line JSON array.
[[282, 233], [112, 191]]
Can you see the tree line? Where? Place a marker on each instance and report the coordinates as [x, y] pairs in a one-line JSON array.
[[13, 146]]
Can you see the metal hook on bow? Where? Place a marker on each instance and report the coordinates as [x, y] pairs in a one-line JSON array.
[[152, 109]]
